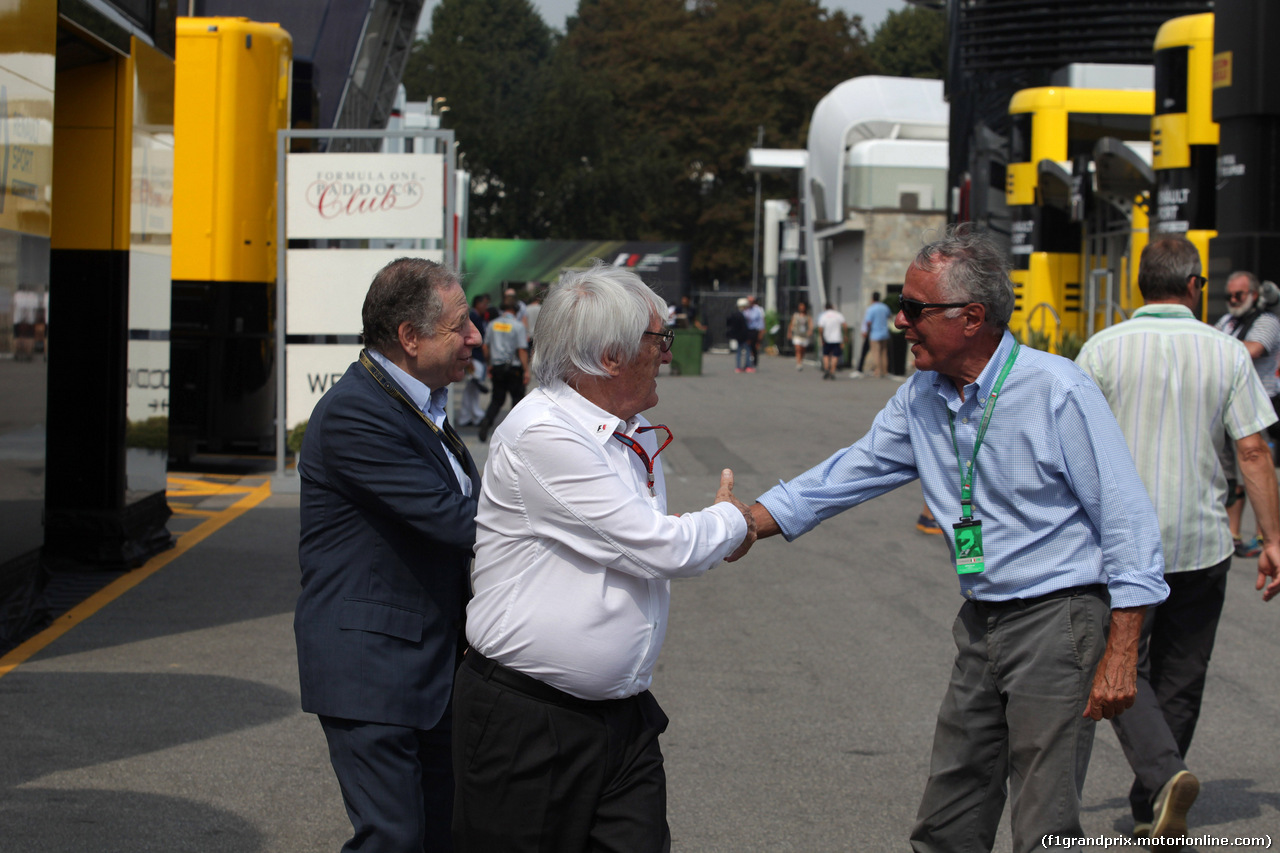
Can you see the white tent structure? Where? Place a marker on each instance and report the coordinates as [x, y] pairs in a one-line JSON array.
[[855, 119]]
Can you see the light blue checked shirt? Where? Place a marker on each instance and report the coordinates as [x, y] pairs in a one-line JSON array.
[[1060, 501]]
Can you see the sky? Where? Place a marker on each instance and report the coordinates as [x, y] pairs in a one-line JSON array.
[[555, 11]]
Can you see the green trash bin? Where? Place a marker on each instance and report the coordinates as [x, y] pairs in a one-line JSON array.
[[686, 353]]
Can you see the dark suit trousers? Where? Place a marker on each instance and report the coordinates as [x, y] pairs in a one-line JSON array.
[[506, 379], [1173, 660], [555, 774], [397, 784]]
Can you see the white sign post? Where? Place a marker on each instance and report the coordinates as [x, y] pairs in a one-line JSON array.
[[358, 197]]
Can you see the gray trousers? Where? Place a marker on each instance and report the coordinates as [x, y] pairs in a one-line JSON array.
[[1173, 659], [1012, 724]]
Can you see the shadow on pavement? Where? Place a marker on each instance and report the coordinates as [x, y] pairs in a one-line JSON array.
[[75, 820], [93, 718], [246, 571]]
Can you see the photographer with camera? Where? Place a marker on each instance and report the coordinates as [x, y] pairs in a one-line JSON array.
[[1249, 318]]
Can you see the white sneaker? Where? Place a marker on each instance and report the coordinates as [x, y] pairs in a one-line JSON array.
[[857, 374], [799, 367], [1172, 804]]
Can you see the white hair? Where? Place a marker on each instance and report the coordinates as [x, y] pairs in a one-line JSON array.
[[588, 315]]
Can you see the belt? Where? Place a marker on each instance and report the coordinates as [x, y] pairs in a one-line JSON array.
[[491, 670], [1095, 589]]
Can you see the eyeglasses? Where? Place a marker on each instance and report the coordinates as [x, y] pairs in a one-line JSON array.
[[1199, 281], [668, 337], [1237, 297], [913, 308]]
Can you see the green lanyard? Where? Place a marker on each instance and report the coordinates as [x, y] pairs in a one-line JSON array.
[[966, 472]]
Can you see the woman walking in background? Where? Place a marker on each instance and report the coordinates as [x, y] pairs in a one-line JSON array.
[[801, 330]]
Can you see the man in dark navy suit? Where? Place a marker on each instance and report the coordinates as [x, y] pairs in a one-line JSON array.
[[388, 522]]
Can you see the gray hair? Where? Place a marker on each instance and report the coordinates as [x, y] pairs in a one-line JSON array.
[[407, 290], [591, 314], [1165, 266], [1255, 286], [971, 267]]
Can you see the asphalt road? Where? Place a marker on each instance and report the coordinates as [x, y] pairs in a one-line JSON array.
[[801, 682]]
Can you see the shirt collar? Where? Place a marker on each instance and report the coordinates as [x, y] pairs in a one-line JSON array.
[[986, 379], [1164, 309], [419, 394], [595, 420]]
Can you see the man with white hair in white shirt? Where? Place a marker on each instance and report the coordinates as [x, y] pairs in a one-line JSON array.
[[556, 733]]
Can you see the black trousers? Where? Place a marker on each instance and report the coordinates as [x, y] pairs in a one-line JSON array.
[[505, 379], [397, 784], [540, 770], [1173, 660]]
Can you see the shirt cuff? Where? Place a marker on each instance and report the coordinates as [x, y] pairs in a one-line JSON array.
[[734, 521], [793, 519]]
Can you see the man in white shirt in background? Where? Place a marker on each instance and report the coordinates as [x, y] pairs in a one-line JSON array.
[[556, 733], [1180, 390], [832, 325]]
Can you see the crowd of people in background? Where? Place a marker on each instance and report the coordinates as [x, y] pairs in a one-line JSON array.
[[828, 331], [500, 364], [819, 336]]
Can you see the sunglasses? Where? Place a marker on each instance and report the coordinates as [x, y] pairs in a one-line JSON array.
[[1237, 297], [1199, 281], [913, 308], [668, 337]]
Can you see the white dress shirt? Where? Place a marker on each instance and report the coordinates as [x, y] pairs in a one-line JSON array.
[[574, 556]]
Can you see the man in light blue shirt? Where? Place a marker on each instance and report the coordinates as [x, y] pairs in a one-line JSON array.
[[755, 322], [1055, 529], [877, 323]]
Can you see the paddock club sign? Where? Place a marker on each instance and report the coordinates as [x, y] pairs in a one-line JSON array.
[[335, 196]]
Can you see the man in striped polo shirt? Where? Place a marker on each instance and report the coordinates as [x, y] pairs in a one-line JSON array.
[[1180, 390]]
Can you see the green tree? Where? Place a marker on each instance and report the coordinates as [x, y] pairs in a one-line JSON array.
[[912, 43], [636, 124], [666, 97], [489, 59]]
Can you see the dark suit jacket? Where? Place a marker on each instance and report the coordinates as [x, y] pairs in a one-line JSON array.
[[385, 552]]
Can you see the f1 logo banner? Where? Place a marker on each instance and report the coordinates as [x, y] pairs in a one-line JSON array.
[[334, 196]]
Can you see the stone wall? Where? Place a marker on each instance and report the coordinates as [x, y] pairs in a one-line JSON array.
[[891, 241]]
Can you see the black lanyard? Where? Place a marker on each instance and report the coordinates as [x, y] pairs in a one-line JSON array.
[[640, 451], [447, 435]]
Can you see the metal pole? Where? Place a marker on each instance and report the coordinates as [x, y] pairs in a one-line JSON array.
[[282, 143], [755, 240]]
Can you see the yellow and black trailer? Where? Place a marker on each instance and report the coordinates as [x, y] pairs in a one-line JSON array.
[[1246, 106], [231, 96], [1054, 132], [1184, 136]]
